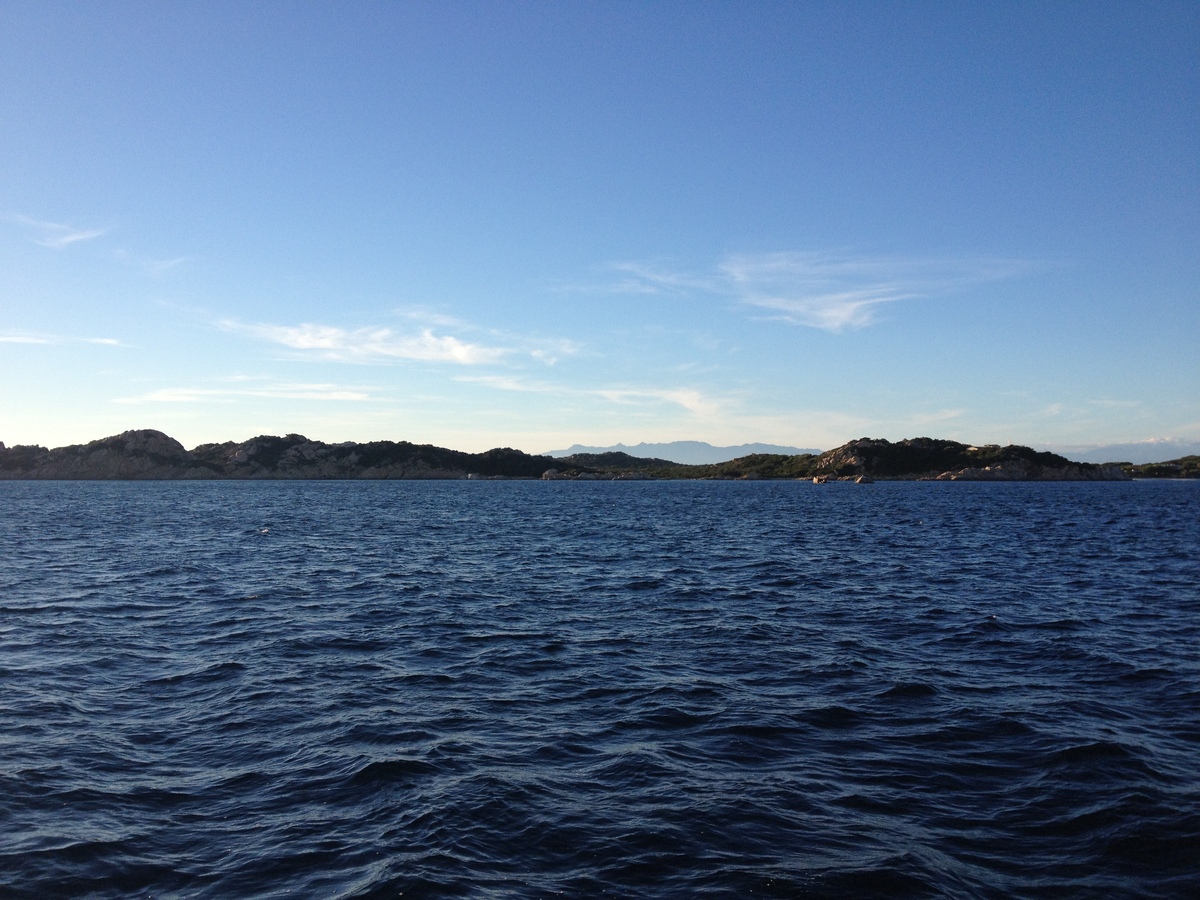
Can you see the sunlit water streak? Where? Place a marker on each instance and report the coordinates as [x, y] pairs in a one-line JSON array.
[[637, 689]]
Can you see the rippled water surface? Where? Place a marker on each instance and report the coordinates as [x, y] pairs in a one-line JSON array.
[[523, 689]]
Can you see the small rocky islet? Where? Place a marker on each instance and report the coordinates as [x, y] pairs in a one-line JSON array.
[[152, 455]]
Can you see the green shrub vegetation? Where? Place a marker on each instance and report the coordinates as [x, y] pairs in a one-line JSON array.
[[1184, 467]]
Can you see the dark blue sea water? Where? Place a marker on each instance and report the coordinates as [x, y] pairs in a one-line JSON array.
[[628, 689]]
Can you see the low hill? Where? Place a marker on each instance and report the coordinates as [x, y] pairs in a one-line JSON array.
[[925, 457], [875, 458], [616, 460], [1184, 467], [691, 453]]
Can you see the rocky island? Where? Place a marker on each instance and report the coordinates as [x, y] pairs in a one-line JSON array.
[[152, 455]]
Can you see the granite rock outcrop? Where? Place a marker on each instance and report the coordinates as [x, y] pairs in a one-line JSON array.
[[943, 460], [134, 455]]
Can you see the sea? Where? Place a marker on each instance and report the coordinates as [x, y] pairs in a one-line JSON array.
[[599, 689]]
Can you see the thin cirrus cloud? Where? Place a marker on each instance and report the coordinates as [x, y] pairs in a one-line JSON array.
[[513, 383], [819, 290], [366, 345], [273, 392], [25, 337], [55, 235], [689, 398]]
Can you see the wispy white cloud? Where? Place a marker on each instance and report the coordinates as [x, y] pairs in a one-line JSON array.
[[513, 383], [551, 350], [830, 291], [55, 235], [917, 420], [158, 267], [375, 344], [27, 337], [431, 318], [379, 344], [649, 278], [275, 392], [546, 350], [691, 399], [835, 292], [804, 290]]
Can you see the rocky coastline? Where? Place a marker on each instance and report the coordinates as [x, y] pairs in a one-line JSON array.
[[152, 455]]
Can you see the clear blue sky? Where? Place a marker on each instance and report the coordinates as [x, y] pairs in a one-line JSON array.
[[535, 224]]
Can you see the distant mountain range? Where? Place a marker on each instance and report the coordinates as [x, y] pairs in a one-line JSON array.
[[1136, 453], [691, 453]]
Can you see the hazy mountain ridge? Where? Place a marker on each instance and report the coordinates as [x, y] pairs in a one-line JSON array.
[[1136, 452]]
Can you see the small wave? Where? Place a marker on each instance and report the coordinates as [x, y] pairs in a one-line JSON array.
[[216, 672], [644, 584], [392, 771], [909, 690], [668, 719], [1108, 757], [835, 716], [896, 880]]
